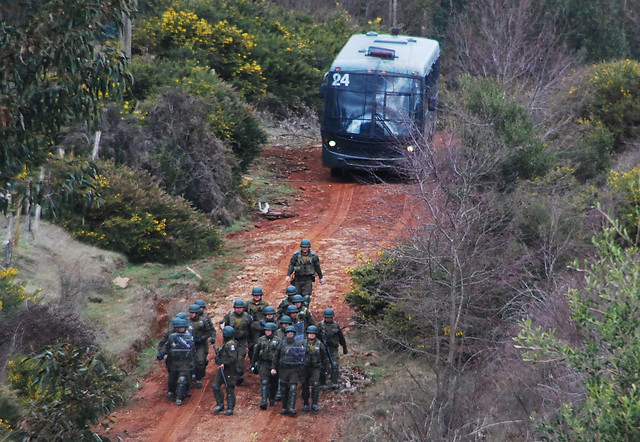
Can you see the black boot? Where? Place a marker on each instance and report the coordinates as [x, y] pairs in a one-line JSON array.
[[279, 392], [334, 376], [315, 393], [231, 401], [305, 397], [284, 397], [217, 394], [292, 399], [264, 390]]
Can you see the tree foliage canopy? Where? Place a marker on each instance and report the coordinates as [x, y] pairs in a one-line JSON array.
[[59, 60]]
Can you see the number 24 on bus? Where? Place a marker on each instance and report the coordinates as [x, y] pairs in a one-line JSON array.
[[380, 93]]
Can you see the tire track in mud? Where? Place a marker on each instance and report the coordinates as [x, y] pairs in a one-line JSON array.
[[335, 216], [178, 424], [269, 424]]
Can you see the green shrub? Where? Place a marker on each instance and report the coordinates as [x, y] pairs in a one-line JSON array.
[[487, 100], [363, 298], [230, 118], [65, 389], [127, 212], [256, 46], [626, 187], [222, 46], [616, 99], [591, 154]]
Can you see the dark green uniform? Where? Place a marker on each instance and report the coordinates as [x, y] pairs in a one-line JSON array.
[[180, 360], [304, 315], [290, 356], [241, 323], [282, 307], [305, 267], [202, 331], [331, 334], [256, 311], [264, 360], [316, 362], [227, 357]]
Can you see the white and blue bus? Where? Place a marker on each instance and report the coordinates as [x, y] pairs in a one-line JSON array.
[[380, 95]]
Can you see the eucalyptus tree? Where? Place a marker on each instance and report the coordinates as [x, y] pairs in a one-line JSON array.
[[60, 60]]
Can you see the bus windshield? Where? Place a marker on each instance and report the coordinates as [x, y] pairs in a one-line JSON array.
[[372, 105]]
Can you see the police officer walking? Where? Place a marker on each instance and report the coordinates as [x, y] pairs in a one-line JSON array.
[[264, 363], [179, 349], [255, 308], [290, 357], [331, 335], [316, 361], [241, 323], [227, 359], [304, 265], [202, 332]]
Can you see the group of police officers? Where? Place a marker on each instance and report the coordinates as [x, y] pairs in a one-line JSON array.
[[285, 346]]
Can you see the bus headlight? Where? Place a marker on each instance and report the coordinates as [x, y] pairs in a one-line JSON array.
[[332, 143], [410, 148]]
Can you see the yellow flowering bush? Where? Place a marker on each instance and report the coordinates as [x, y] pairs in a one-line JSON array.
[[616, 98], [12, 293], [627, 185], [127, 212]]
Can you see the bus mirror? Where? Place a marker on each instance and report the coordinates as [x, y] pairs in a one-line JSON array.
[[433, 104]]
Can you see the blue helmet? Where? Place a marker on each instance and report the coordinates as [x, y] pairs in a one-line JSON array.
[[292, 309], [290, 329], [298, 298], [305, 243], [194, 308], [328, 313], [181, 315], [286, 320], [201, 303], [269, 310], [179, 322], [270, 326], [312, 329], [238, 303], [257, 291], [291, 290], [228, 332]]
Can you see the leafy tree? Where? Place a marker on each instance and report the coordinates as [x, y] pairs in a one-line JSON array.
[[59, 62], [65, 389], [605, 310]]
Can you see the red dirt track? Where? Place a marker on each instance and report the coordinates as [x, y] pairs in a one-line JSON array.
[[342, 217]]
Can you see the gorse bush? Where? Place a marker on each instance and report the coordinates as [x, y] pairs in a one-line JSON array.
[[66, 389], [130, 214], [220, 45], [616, 99], [626, 186], [12, 293], [256, 46]]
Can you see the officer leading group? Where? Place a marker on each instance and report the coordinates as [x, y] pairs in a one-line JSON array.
[[290, 353]]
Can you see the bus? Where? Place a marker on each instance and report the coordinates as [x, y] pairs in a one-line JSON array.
[[380, 96]]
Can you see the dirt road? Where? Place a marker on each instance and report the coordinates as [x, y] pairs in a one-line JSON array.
[[342, 218]]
